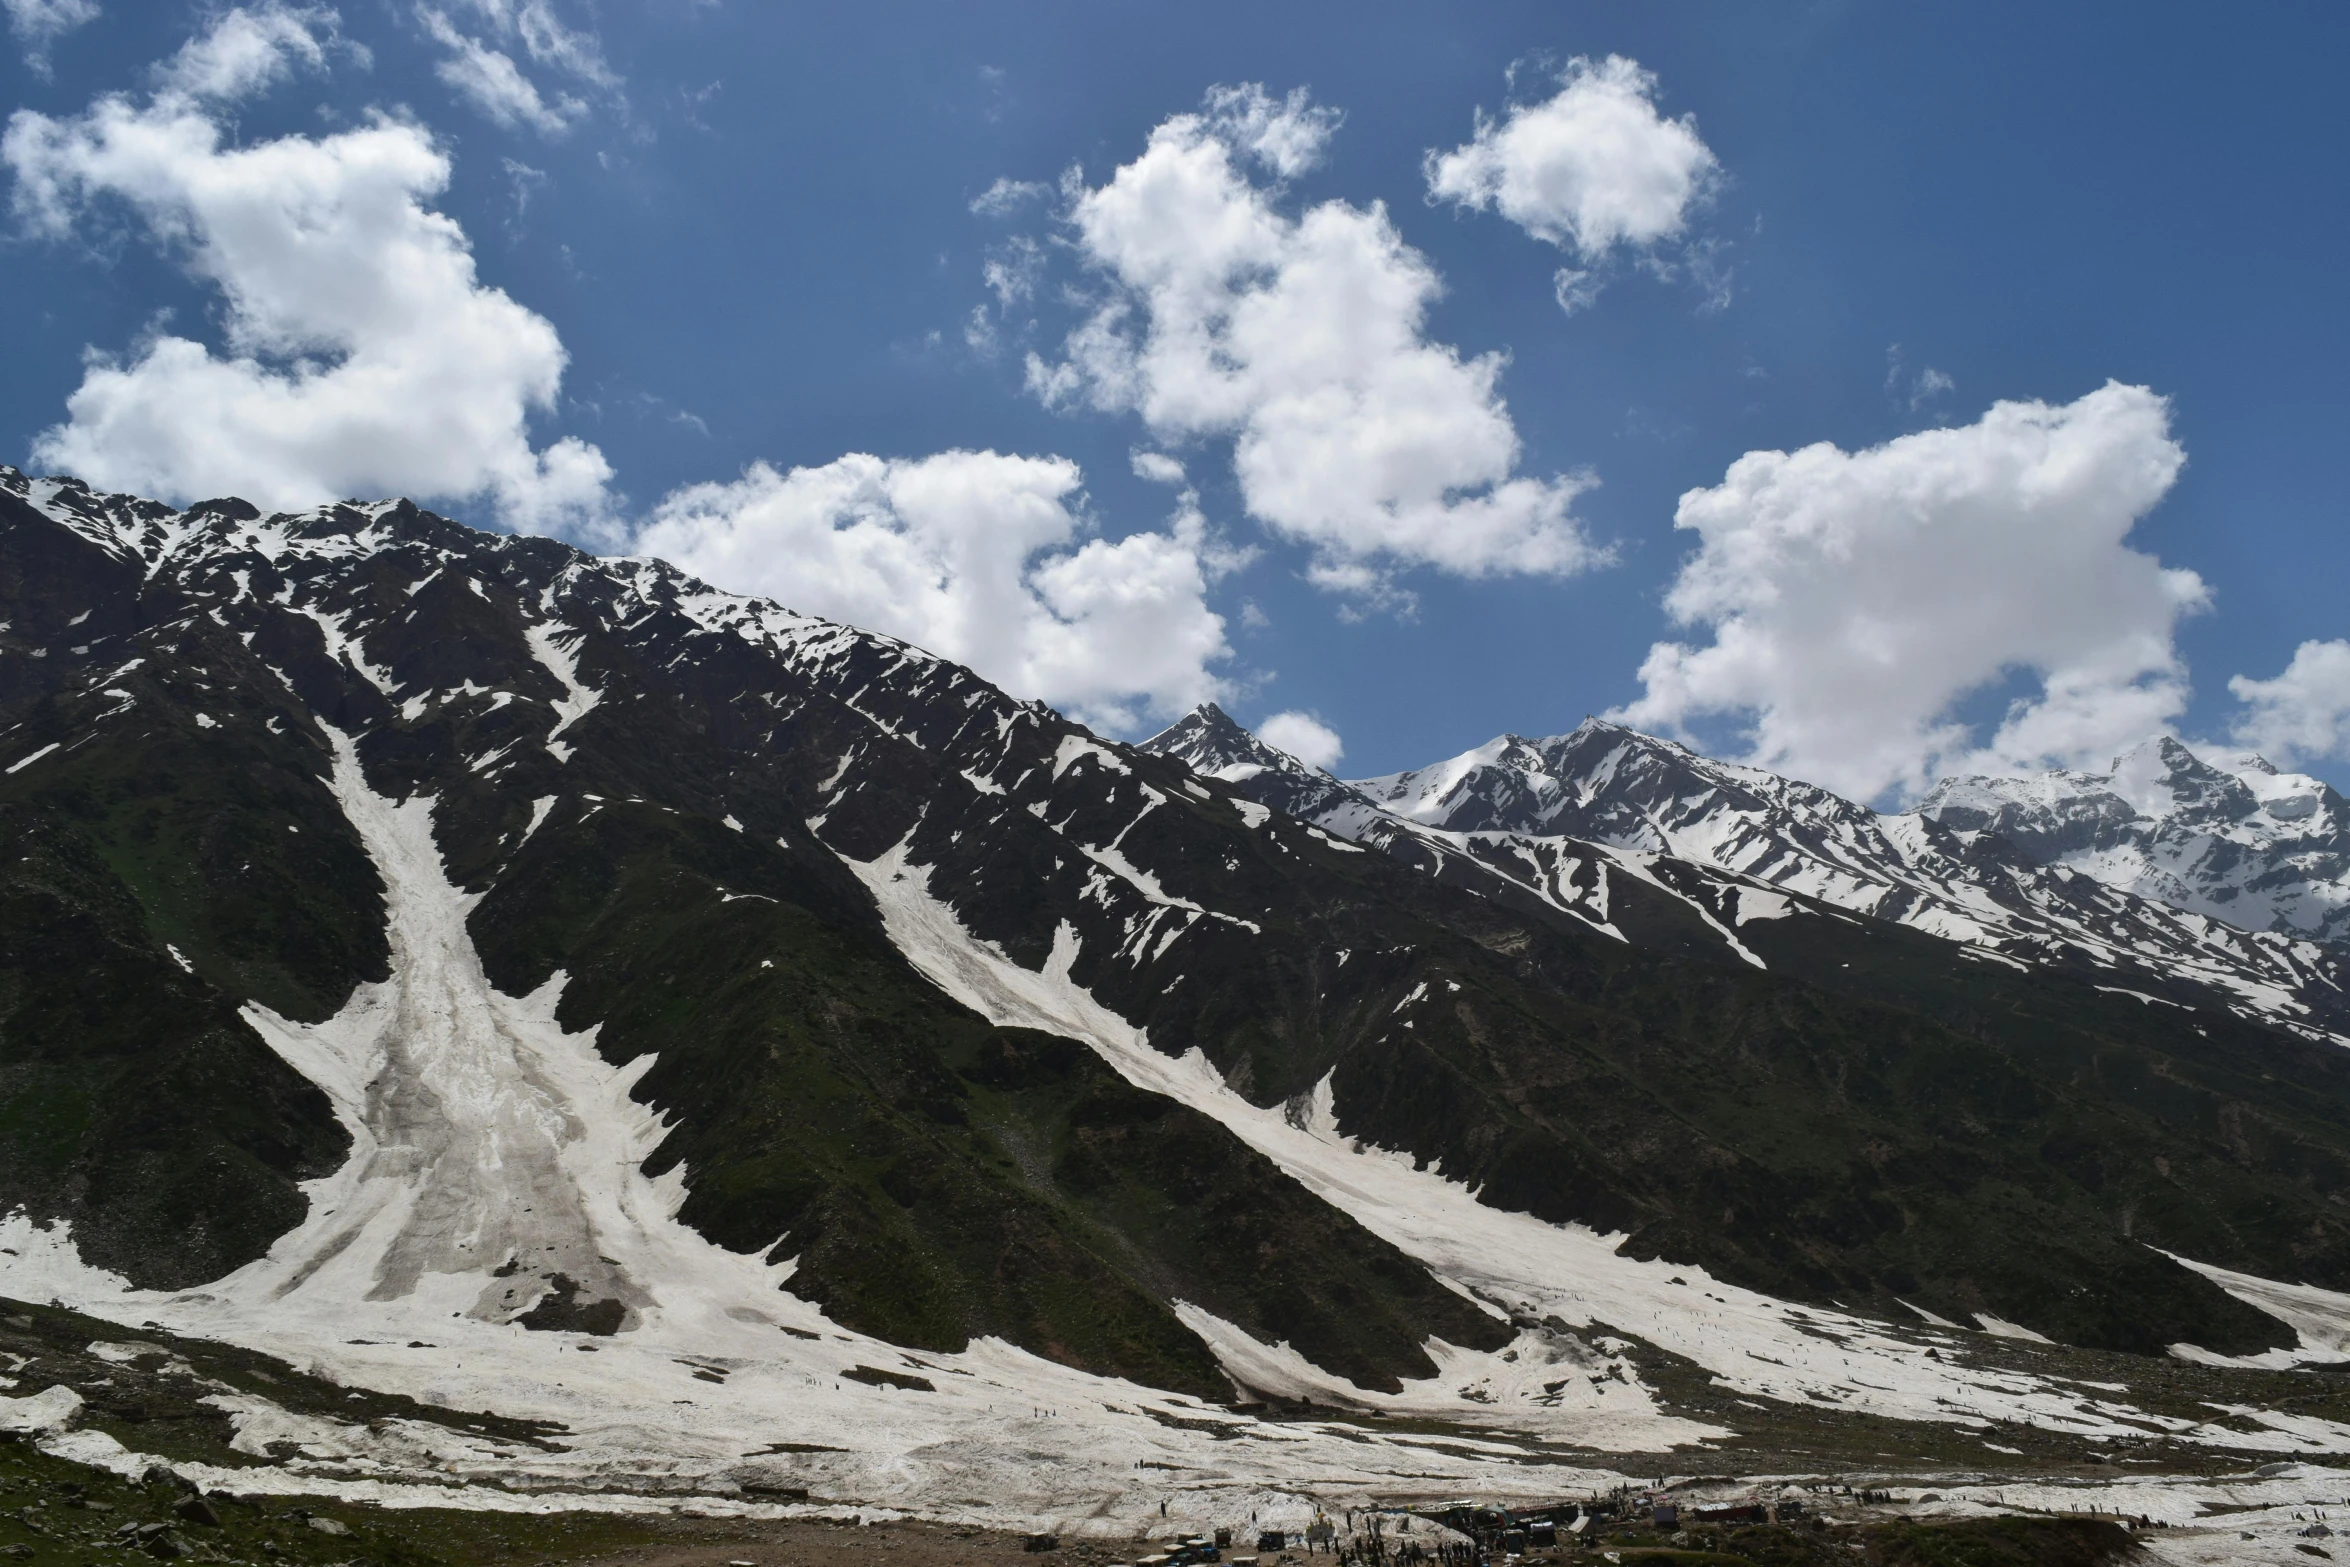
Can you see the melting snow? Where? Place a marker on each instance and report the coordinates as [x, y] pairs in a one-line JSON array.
[[577, 700], [2152, 1001], [2320, 1317], [2000, 1329], [486, 1138], [1752, 1343]]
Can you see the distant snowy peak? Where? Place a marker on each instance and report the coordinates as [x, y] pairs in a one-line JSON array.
[[1605, 783], [1544, 813], [1209, 742], [2237, 840]]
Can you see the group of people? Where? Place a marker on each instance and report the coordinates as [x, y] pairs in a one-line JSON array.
[[1367, 1545], [1374, 1551]]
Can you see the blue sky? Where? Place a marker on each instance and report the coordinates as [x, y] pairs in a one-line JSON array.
[[728, 235]]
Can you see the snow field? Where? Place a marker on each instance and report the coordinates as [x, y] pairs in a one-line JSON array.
[[1531, 1270], [485, 1136]]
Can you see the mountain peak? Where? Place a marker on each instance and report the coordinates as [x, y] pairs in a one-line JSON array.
[[1213, 718], [2234, 838], [1212, 743], [2156, 754]]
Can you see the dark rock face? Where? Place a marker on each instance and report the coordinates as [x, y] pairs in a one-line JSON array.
[[1676, 853], [561, 1310], [659, 791], [134, 1100], [1209, 743], [631, 799]]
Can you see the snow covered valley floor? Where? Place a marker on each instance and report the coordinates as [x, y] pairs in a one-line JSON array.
[[429, 1337]]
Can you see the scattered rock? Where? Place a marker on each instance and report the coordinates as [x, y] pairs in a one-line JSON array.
[[874, 1376], [330, 1526], [560, 1310]]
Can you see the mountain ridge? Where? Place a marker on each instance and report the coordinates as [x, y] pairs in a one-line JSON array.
[[2245, 843], [675, 801], [1522, 800]]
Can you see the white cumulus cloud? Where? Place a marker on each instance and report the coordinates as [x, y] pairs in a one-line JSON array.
[[361, 353], [1157, 467], [978, 557], [1854, 599], [1286, 135], [2303, 714], [1591, 169], [1303, 736], [1302, 339]]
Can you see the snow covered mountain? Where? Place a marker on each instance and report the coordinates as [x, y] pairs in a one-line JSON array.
[[548, 982], [2238, 840], [1702, 827]]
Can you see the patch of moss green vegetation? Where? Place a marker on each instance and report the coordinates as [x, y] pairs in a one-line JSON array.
[[54, 1513], [204, 793], [134, 1101], [2001, 1542], [1974, 1542], [1831, 1148], [151, 1394]]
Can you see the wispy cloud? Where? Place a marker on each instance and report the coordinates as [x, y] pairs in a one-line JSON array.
[[488, 43], [1007, 196], [39, 23], [489, 79], [1913, 390]]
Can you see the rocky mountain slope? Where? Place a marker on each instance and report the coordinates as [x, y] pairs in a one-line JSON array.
[[1519, 805], [623, 768], [2238, 841], [400, 917]]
